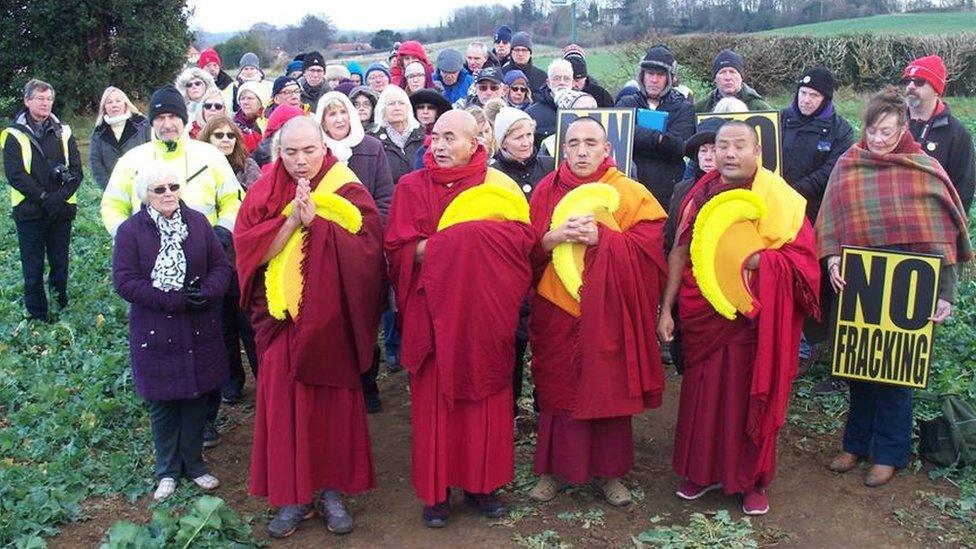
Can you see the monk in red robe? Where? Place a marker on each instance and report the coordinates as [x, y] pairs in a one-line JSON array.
[[458, 293], [735, 390], [315, 318], [595, 359]]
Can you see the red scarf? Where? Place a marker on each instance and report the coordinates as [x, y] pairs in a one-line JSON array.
[[477, 166], [565, 176]]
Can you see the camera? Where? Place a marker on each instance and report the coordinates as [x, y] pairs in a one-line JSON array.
[[61, 176]]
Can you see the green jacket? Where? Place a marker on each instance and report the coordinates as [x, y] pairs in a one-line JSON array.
[[749, 96]]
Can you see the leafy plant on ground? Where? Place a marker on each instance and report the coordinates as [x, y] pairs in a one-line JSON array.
[[587, 519], [209, 523], [547, 539], [718, 531]]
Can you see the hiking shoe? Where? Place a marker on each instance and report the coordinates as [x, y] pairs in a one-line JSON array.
[[436, 516], [211, 437], [546, 489], [830, 386], [167, 485], [613, 491], [373, 404], [691, 491], [337, 517], [843, 462], [287, 519], [487, 504], [755, 503], [879, 475]]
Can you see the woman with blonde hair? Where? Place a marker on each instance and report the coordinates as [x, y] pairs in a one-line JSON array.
[[119, 127], [485, 134]]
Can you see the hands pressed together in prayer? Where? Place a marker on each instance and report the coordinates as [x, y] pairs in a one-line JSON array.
[[580, 229], [304, 208]]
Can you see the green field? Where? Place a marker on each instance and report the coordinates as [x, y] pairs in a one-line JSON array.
[[911, 23]]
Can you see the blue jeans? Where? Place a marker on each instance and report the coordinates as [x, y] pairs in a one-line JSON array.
[[804, 347], [391, 336], [879, 423]]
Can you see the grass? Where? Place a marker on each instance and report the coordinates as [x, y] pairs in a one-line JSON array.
[[909, 23]]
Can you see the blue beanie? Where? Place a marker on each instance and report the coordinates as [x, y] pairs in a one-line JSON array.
[[354, 68], [513, 75], [503, 34], [295, 66], [376, 66]]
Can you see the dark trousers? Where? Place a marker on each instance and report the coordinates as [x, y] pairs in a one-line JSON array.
[[237, 329], [521, 343], [391, 336], [177, 427], [39, 238], [879, 423], [368, 378]]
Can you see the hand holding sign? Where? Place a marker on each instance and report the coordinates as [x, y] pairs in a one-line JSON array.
[[943, 309]]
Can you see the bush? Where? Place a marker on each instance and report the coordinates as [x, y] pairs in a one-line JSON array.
[[863, 62]]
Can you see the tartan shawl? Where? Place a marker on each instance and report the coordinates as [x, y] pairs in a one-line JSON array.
[[903, 198]]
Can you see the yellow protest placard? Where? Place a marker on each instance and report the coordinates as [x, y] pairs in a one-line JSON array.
[[767, 126], [882, 332]]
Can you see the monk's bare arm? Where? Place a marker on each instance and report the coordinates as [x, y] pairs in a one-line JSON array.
[[280, 239], [418, 254], [677, 260]]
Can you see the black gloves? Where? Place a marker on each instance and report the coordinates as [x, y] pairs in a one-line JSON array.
[[53, 203], [195, 300]]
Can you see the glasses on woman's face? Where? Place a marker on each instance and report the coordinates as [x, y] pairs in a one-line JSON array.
[[173, 187], [486, 87], [213, 106], [362, 104], [519, 89], [194, 83], [224, 135]]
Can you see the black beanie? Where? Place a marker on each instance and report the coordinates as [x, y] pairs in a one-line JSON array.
[[820, 79], [658, 57], [728, 58], [167, 100], [313, 59], [579, 65]]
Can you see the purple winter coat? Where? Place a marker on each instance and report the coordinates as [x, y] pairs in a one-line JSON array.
[[368, 162], [176, 354]]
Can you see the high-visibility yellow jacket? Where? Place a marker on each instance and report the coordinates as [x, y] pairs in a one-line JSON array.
[[208, 183]]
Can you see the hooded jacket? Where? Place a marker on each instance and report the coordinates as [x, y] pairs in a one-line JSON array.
[[458, 90]]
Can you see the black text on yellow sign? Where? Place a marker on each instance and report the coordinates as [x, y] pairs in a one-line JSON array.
[[619, 124], [767, 126], [882, 331]]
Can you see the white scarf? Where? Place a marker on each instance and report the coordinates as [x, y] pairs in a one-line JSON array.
[[120, 119], [342, 148], [169, 271]]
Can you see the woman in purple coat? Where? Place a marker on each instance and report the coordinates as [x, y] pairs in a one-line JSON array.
[[169, 265]]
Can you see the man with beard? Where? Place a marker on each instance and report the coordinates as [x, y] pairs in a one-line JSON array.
[[938, 132], [659, 155], [543, 109]]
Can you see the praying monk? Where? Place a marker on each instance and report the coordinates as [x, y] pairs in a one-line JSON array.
[[310, 259], [595, 355], [734, 391], [458, 291]]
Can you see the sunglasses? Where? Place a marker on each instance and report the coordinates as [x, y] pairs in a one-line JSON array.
[[194, 83], [213, 106], [520, 89], [919, 82], [173, 187], [486, 87], [224, 135]]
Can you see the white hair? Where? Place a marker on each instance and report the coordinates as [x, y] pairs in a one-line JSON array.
[[559, 64], [480, 46], [730, 104], [149, 175]]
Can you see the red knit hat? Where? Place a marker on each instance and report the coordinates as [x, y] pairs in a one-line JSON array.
[[929, 68], [414, 48], [208, 55]]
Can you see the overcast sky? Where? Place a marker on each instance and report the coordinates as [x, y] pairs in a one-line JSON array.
[[362, 15]]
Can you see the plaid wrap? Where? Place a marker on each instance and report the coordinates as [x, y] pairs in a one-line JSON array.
[[902, 199]]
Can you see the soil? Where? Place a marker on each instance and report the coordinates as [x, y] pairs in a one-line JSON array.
[[810, 506]]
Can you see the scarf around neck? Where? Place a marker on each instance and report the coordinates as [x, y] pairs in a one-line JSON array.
[[478, 165], [567, 178], [169, 271]]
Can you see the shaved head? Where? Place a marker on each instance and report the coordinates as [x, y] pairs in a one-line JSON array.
[[454, 139], [296, 123], [301, 147], [587, 120]]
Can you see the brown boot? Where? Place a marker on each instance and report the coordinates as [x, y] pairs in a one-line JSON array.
[[844, 462], [879, 475]]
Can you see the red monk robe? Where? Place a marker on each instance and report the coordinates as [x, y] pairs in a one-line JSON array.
[[596, 363], [734, 392], [459, 310], [310, 429]]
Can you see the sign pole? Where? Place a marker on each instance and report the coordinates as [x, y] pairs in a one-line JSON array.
[[573, 7]]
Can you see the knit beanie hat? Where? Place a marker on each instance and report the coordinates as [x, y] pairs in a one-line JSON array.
[[513, 76], [314, 59], [345, 86], [294, 66], [566, 99], [658, 57], [259, 91], [280, 83], [336, 71], [377, 66], [207, 56], [522, 39], [728, 58], [250, 59], [449, 61], [167, 100], [820, 79], [929, 68], [504, 120], [354, 68], [577, 58], [413, 69], [503, 34]]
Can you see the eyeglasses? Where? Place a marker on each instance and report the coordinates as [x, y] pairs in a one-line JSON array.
[[315, 70], [919, 82], [426, 107], [520, 89], [173, 187], [224, 135], [486, 87], [194, 83], [419, 75], [290, 91], [213, 106]]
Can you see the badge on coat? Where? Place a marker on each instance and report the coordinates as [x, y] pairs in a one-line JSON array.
[[931, 145]]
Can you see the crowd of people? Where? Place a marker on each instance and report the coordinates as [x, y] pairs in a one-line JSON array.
[[294, 216]]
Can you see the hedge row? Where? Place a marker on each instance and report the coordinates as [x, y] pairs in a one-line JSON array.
[[862, 62]]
